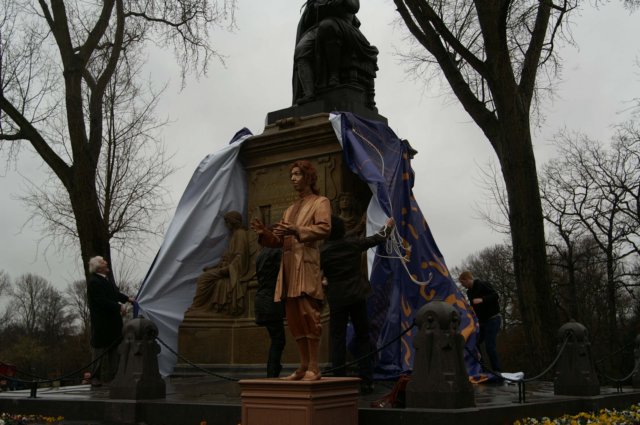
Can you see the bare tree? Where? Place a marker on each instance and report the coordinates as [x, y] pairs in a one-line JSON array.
[[56, 63], [495, 265], [494, 55], [626, 147], [55, 321], [5, 282], [585, 193], [129, 176], [76, 294], [495, 210], [27, 302], [5, 288]]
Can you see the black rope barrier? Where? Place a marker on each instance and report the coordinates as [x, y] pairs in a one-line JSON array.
[[22, 372], [615, 353], [522, 381], [190, 363], [371, 353], [618, 381], [327, 371], [522, 394], [34, 383], [553, 363]]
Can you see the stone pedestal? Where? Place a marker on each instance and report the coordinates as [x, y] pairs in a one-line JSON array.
[[268, 156], [138, 377], [237, 340], [220, 341], [576, 374], [344, 97], [329, 401], [439, 379]]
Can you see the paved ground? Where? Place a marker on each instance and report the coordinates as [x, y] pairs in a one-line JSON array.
[[219, 401], [210, 389]]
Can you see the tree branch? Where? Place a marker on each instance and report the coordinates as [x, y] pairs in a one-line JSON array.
[[31, 134], [429, 38]]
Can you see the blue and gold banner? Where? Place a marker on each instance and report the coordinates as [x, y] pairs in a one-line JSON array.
[[415, 272]]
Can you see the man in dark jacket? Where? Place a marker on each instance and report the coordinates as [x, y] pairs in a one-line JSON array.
[[485, 302], [105, 308], [268, 313], [347, 290]]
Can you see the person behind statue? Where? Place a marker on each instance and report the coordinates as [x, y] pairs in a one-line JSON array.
[[325, 29], [347, 291], [485, 302], [221, 287], [303, 226], [106, 307], [267, 312]]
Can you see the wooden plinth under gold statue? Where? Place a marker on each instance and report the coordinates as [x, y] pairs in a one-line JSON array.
[[235, 340], [274, 401]]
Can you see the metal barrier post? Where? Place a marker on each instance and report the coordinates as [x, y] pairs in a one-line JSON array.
[[34, 389]]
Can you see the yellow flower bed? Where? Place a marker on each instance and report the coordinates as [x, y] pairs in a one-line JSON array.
[[7, 419], [630, 416]]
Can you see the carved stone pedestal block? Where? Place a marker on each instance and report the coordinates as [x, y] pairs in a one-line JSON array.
[[331, 401], [222, 341]]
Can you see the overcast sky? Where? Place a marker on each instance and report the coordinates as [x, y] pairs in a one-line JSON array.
[[599, 79]]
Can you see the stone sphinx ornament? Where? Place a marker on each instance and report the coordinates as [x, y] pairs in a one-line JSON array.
[[331, 51], [439, 379], [575, 371], [138, 377]]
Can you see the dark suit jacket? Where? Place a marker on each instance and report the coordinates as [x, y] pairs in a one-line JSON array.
[[490, 305], [104, 307], [341, 262]]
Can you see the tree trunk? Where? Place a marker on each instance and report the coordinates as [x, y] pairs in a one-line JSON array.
[[93, 233], [515, 153], [611, 300]]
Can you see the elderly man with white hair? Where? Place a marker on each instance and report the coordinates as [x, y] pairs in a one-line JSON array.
[[106, 306]]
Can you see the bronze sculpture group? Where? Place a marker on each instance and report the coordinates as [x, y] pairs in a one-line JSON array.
[[330, 50]]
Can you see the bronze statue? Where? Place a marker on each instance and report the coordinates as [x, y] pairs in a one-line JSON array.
[[303, 226], [331, 50], [221, 288]]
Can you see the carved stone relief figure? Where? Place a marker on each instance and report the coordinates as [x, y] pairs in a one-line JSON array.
[[221, 288]]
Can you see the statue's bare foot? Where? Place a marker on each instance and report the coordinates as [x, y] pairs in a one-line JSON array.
[[296, 376], [311, 376]]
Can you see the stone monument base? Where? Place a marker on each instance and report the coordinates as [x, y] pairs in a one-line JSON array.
[[229, 341], [276, 401], [344, 97]]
